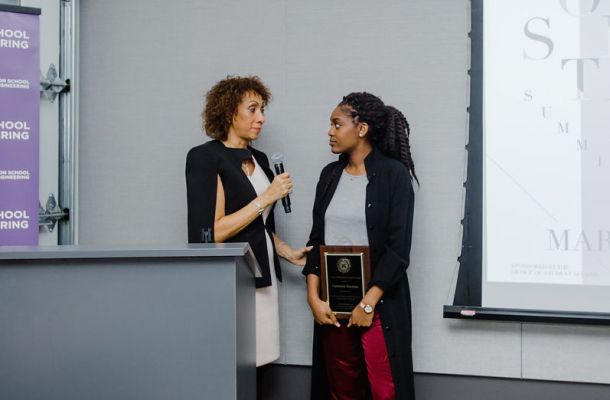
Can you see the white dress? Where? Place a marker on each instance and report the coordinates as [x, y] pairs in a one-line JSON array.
[[267, 306]]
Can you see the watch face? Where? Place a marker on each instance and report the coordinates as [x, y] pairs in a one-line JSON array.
[[368, 309]]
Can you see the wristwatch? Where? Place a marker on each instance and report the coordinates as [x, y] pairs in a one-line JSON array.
[[366, 307]]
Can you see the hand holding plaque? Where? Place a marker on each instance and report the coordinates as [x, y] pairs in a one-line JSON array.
[[345, 275]]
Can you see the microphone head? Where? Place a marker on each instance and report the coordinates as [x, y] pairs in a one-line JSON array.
[[277, 158]]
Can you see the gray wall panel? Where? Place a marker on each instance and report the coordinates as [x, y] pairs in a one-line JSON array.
[[572, 353], [145, 67]]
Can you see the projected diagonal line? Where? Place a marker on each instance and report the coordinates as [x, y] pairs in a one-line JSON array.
[[524, 190]]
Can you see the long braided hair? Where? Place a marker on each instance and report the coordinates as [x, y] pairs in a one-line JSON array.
[[388, 127]]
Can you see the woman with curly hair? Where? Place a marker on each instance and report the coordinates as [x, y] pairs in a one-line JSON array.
[[365, 198], [231, 194]]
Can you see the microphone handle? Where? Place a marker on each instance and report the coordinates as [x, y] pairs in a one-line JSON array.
[[279, 169], [286, 204]]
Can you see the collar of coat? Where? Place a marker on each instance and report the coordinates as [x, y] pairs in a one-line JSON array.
[[370, 164]]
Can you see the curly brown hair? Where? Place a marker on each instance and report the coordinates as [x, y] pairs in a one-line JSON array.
[[222, 100]]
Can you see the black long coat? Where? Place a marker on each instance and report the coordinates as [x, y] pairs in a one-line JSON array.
[[204, 163], [389, 219]]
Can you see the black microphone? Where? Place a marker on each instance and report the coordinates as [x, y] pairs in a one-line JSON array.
[[278, 163]]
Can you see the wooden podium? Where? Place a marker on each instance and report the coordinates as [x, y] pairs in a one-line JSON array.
[[92, 323]]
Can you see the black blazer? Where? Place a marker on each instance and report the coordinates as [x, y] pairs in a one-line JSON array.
[[203, 164]]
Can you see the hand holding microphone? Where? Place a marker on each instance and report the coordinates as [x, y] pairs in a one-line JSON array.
[[282, 181]]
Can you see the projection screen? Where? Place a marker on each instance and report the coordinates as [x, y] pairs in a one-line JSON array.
[[544, 121]]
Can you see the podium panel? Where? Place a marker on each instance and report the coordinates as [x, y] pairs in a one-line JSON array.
[[134, 323]]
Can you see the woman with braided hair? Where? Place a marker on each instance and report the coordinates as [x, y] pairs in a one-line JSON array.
[[365, 198]]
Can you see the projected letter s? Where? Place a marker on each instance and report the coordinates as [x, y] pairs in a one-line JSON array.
[[539, 38]]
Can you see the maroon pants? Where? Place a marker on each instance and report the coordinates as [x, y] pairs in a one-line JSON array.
[[353, 355]]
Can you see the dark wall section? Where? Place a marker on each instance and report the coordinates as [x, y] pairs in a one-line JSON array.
[[284, 382]]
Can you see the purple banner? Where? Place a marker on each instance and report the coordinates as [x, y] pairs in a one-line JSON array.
[[19, 127]]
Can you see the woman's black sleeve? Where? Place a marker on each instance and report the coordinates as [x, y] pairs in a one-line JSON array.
[[201, 186]]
